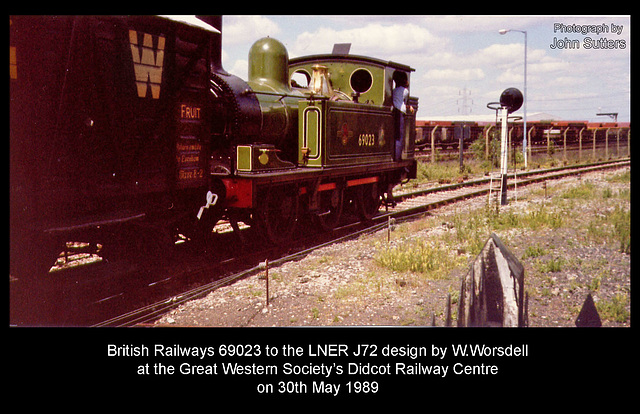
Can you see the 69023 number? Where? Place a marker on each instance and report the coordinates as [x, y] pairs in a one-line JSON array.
[[366, 140], [239, 350]]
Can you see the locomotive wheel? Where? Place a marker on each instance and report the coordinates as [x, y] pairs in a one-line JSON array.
[[368, 201], [278, 214], [330, 210]]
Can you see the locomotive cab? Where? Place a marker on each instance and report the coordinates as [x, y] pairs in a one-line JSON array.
[[348, 117]]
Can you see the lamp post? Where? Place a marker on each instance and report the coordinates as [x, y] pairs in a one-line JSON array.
[[524, 139]]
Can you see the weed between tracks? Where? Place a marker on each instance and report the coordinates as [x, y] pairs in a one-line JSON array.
[[419, 256], [470, 233]]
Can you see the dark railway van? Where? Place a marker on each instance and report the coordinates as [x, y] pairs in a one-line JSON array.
[[108, 123]]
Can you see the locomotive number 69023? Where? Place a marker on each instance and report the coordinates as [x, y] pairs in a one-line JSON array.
[[366, 140]]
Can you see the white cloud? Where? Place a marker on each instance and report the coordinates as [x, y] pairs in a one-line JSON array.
[[549, 66], [511, 76], [241, 29], [454, 74], [374, 39], [499, 54], [443, 59], [240, 68]]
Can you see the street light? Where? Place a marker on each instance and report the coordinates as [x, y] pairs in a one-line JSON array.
[[524, 139]]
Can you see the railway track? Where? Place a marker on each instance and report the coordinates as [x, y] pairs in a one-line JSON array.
[[409, 205], [458, 191]]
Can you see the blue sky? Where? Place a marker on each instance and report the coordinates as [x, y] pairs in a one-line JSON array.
[[588, 72]]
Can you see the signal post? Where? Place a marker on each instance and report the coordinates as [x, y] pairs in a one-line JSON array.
[[510, 101]]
